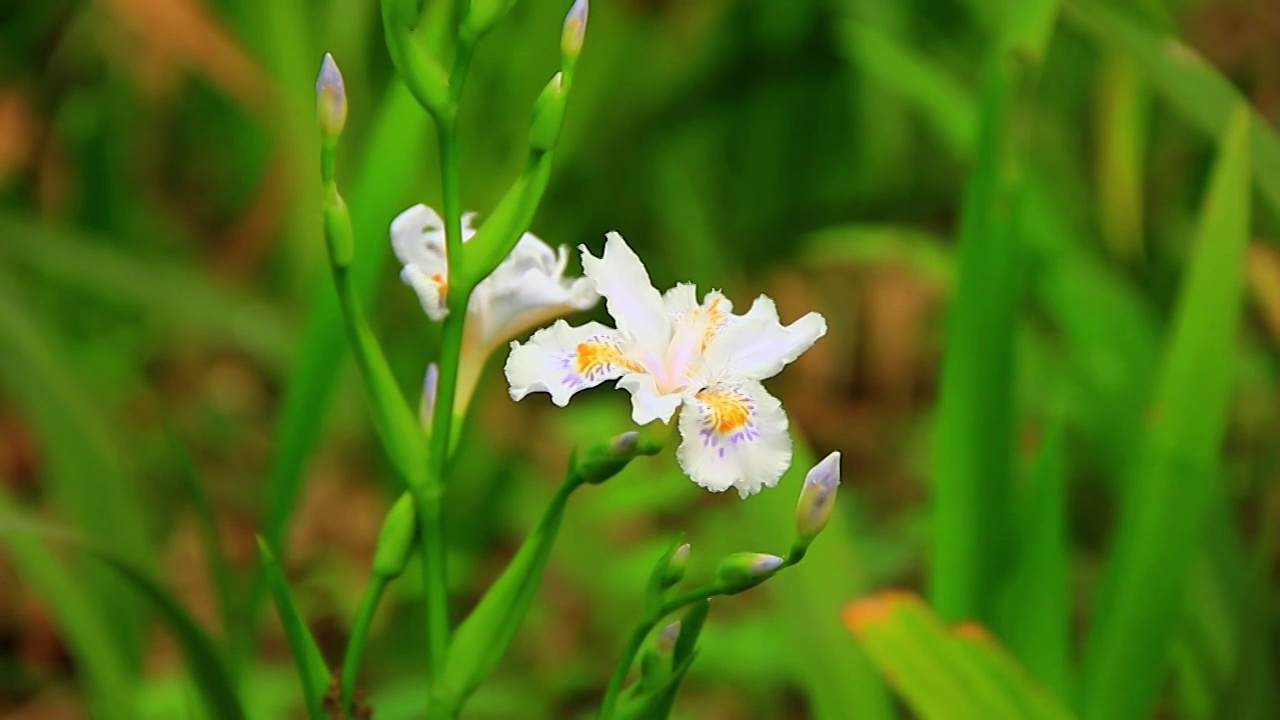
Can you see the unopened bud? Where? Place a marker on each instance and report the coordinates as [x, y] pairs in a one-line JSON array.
[[817, 498], [331, 99], [666, 639], [427, 406], [575, 29], [677, 564], [548, 115], [482, 15], [742, 571], [395, 542], [601, 462]]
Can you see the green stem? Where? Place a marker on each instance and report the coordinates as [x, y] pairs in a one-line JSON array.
[[428, 497], [355, 645], [635, 641]]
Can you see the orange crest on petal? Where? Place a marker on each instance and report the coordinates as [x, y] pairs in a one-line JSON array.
[[728, 411]]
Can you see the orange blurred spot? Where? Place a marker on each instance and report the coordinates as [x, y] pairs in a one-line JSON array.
[[970, 630], [859, 614]]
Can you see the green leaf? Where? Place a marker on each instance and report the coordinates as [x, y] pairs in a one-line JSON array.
[[1037, 613], [944, 674], [972, 470], [219, 567], [313, 671], [203, 659], [946, 104], [85, 473], [110, 688], [973, 428], [1121, 119], [1170, 482], [1201, 93], [484, 636], [178, 295]]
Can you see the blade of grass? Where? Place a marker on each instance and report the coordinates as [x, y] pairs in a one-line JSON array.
[[1036, 617], [313, 671], [85, 475], [219, 567], [203, 659], [1187, 81], [997, 666], [1169, 483], [973, 451], [1121, 120], [179, 295], [972, 469], [946, 104], [110, 687], [941, 674]]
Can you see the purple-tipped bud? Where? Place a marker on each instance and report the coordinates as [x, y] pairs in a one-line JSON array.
[[667, 636], [677, 564], [427, 407], [575, 29], [626, 443], [817, 498], [741, 571], [331, 99]]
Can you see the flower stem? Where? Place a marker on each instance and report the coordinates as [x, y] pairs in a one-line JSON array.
[[355, 644], [635, 641], [428, 497]]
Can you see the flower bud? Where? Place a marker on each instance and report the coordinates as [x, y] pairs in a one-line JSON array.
[[548, 115], [575, 29], [395, 542], [331, 99], [667, 636], [676, 566], [427, 406], [742, 571], [482, 15], [817, 498], [601, 462]]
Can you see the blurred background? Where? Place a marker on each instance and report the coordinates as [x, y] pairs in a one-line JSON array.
[[996, 206]]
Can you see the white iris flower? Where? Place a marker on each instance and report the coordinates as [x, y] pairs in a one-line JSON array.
[[526, 290], [670, 351]]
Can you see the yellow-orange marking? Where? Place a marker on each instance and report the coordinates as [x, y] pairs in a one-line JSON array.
[[729, 412], [595, 356]]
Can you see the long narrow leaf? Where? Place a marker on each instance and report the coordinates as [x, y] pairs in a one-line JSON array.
[[204, 661], [85, 475], [1205, 96], [310, 664], [110, 688], [944, 674], [973, 451], [1169, 484], [1037, 615]]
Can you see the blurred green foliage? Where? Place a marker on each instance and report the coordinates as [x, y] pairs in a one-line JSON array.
[[1052, 368]]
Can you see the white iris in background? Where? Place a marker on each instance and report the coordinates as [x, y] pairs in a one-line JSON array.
[[670, 351], [526, 290]]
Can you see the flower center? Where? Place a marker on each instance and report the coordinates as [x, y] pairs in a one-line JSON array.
[[442, 286], [598, 356], [727, 411]]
